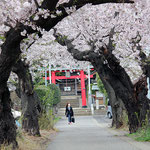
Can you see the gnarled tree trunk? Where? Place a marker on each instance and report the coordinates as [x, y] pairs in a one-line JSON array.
[[7, 122], [10, 53], [116, 105], [142, 100], [117, 111], [29, 100], [124, 89], [145, 65]]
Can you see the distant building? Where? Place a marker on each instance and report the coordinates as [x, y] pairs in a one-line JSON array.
[[70, 83]]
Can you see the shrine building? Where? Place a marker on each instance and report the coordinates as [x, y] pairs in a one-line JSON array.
[[70, 82]]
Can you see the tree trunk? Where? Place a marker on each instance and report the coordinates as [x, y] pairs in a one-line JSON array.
[[146, 70], [30, 114], [7, 122], [143, 101], [116, 105], [9, 54], [133, 97], [121, 92], [29, 100], [117, 109]]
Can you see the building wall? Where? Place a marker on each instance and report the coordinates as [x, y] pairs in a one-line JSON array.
[[74, 89]]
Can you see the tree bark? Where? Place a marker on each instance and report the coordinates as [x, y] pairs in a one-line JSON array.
[[9, 54], [143, 101], [7, 122], [29, 100], [117, 111], [134, 99], [145, 65], [116, 105], [116, 76]]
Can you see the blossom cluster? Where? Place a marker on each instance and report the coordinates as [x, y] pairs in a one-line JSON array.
[[87, 26], [129, 21]]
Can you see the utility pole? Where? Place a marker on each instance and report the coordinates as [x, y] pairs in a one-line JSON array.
[[45, 76], [89, 92], [50, 77]]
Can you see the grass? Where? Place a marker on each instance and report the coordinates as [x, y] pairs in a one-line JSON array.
[[48, 120], [27, 142], [142, 135], [35, 143]]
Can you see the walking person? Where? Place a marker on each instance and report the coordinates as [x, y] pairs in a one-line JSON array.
[[69, 113]]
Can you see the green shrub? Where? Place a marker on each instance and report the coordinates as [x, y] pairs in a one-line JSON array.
[[56, 93], [49, 95]]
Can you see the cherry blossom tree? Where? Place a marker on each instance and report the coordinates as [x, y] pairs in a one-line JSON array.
[[28, 19], [113, 45], [129, 59], [40, 54]]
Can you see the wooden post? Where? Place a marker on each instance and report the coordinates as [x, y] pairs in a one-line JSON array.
[[83, 89], [53, 77]]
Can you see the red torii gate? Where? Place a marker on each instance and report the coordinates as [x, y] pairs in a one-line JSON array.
[[82, 76]]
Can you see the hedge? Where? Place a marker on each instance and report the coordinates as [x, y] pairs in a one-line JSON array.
[[49, 95]]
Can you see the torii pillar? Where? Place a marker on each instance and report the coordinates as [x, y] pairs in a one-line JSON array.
[[53, 77], [83, 92]]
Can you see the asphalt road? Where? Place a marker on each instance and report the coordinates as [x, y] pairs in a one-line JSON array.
[[91, 133]]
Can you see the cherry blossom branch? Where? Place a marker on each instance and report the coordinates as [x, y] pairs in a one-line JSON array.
[[11, 46], [106, 60], [49, 4], [144, 63], [80, 3], [81, 56], [49, 22], [36, 3], [30, 44]]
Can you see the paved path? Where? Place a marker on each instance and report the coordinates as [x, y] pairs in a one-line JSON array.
[[90, 133]]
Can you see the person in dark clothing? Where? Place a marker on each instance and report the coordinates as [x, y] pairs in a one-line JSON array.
[[69, 112]]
